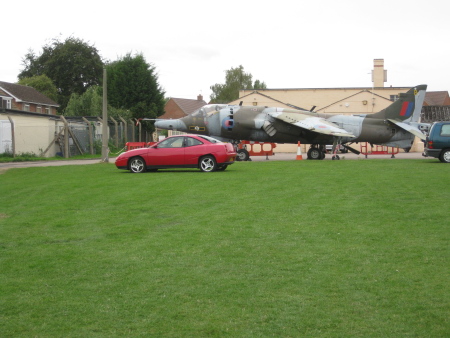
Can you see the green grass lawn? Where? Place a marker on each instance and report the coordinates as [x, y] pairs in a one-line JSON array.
[[289, 248]]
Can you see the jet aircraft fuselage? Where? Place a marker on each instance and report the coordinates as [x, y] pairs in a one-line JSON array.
[[397, 125]]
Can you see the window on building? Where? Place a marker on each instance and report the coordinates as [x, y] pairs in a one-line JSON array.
[[39, 109], [26, 107], [47, 110], [394, 98], [5, 102]]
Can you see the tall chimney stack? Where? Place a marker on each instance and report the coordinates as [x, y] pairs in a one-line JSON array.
[[379, 74], [200, 97]]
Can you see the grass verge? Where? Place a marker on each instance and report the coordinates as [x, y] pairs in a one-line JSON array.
[[295, 248]]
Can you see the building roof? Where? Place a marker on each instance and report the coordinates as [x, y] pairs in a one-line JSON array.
[[26, 94], [440, 98], [189, 106]]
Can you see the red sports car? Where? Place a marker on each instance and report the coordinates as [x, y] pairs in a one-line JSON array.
[[182, 151]]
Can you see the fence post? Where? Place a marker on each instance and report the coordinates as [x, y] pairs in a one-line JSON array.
[[133, 132], [125, 131], [116, 136], [91, 139], [66, 137], [13, 138], [139, 129]]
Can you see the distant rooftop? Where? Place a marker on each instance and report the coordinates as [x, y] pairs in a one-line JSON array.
[[26, 94]]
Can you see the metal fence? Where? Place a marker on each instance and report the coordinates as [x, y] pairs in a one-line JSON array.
[[52, 135], [85, 135], [432, 114]]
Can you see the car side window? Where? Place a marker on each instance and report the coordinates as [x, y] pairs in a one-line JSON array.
[[190, 142], [174, 142], [445, 131]]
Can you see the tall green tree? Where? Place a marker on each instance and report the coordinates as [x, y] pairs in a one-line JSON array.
[[43, 84], [73, 65], [90, 103], [235, 80], [133, 85]]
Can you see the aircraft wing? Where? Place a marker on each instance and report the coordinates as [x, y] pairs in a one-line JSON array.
[[312, 123], [413, 130]]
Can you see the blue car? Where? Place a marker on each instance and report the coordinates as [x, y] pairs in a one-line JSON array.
[[437, 143]]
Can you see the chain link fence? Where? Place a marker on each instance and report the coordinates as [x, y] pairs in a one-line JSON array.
[[50, 135], [432, 114]]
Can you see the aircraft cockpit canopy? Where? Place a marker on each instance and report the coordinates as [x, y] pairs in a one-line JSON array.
[[209, 108]]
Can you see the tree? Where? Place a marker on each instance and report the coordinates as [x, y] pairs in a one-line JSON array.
[[73, 65], [235, 80], [133, 85], [43, 84], [90, 103]]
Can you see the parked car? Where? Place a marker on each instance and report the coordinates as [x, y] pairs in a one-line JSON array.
[[181, 151], [437, 143]]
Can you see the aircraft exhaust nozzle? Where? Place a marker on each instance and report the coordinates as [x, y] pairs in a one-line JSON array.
[[171, 125]]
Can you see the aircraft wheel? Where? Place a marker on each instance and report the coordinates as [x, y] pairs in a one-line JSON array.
[[315, 154], [137, 165], [445, 156], [208, 164], [242, 155]]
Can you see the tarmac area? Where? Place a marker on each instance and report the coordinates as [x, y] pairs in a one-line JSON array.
[[275, 157], [346, 156]]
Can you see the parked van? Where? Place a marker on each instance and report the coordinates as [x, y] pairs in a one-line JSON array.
[[437, 143]]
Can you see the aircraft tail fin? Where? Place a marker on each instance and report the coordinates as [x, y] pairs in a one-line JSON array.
[[407, 108]]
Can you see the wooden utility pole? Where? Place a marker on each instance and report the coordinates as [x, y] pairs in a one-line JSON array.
[[105, 121]]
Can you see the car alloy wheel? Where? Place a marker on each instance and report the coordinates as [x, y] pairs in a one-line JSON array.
[[208, 164], [137, 165]]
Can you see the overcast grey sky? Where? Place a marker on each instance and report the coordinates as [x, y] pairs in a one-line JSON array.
[[286, 44]]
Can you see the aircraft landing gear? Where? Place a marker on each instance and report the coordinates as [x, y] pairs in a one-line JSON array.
[[336, 146], [315, 153], [242, 155]]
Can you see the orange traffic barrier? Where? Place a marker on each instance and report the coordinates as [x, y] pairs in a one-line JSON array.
[[258, 148], [134, 145], [378, 150]]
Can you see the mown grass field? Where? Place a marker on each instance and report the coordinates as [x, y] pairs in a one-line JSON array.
[[289, 249]]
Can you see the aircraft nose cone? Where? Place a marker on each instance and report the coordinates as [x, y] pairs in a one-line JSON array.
[[171, 125]]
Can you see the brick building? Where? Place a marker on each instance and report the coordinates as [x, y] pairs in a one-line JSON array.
[[25, 98]]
